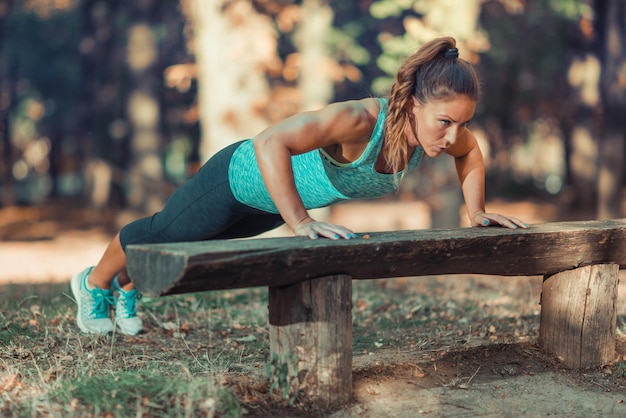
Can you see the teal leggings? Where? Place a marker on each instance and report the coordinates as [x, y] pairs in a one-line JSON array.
[[204, 208]]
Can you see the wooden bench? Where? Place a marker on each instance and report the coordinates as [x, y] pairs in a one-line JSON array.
[[310, 288]]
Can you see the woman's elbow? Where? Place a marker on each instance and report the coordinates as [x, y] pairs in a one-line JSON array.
[[269, 149], [262, 145]]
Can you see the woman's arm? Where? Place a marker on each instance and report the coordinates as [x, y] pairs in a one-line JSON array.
[[345, 123], [471, 171]]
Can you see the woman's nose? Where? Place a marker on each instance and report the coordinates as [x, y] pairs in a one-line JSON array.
[[451, 135]]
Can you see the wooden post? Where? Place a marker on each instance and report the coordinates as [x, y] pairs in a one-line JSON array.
[[578, 315], [311, 334]]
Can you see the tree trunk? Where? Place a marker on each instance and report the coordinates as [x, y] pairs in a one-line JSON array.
[[91, 49], [611, 18], [579, 120], [7, 100], [583, 162], [611, 170], [315, 81], [102, 127], [6, 145], [456, 18], [233, 45], [144, 109]]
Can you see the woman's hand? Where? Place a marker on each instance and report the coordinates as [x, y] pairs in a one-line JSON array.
[[494, 219], [314, 229]]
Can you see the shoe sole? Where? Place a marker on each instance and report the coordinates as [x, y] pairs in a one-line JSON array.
[[123, 331]]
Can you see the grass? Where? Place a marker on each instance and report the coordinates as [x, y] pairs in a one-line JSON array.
[[178, 368], [206, 354], [146, 392]]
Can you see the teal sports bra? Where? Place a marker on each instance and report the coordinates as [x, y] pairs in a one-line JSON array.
[[320, 180]]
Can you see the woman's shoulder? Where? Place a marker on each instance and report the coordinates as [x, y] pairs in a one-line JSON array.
[[343, 122], [364, 111], [370, 105]]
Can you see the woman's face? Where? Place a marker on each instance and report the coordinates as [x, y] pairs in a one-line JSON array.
[[438, 124]]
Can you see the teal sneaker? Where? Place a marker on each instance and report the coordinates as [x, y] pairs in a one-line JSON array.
[[93, 305], [126, 317]]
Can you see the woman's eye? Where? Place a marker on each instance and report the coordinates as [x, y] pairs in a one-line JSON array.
[[444, 122]]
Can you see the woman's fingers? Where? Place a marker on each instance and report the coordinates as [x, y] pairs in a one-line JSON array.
[[316, 229], [491, 219]]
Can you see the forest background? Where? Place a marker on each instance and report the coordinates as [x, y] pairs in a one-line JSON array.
[[116, 103]]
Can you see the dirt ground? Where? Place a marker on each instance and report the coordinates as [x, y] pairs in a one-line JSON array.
[[479, 380], [507, 380]]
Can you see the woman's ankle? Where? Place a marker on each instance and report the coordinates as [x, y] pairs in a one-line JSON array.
[[95, 279], [93, 282], [124, 281]]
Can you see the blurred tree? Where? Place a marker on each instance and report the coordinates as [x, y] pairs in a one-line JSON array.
[[539, 107], [44, 80], [611, 32], [352, 44], [7, 93], [234, 46], [98, 107], [579, 118], [315, 64], [129, 121], [73, 88], [143, 105]]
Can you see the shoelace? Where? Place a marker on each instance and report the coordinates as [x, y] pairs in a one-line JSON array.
[[129, 302], [101, 302]]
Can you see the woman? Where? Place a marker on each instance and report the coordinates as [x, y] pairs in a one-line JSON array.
[[347, 150]]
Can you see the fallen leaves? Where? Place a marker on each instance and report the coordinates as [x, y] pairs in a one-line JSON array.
[[10, 383]]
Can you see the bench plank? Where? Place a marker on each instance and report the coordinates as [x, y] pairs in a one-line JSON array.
[[544, 249]]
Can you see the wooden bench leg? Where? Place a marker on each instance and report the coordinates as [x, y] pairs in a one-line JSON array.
[[311, 332], [578, 315]]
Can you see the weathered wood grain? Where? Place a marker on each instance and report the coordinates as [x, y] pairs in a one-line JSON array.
[[311, 332], [543, 249], [578, 315]]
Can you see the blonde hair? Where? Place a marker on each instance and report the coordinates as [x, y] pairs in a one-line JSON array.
[[431, 73]]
